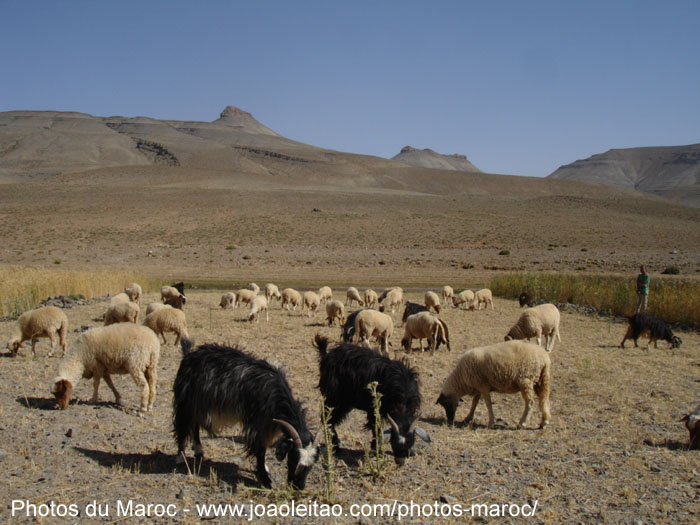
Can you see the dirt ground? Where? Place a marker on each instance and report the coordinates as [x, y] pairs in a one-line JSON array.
[[615, 451]]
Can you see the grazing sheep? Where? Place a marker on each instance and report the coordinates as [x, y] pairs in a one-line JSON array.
[[483, 297], [353, 295], [311, 302], [393, 300], [386, 291], [47, 321], [272, 292], [254, 287], [244, 296], [291, 296], [227, 301], [370, 323], [325, 294], [176, 302], [134, 292], [257, 305], [371, 298], [432, 300], [154, 307], [447, 294], [653, 327], [538, 321], [335, 310], [465, 297], [508, 368], [170, 292], [122, 313], [692, 423], [218, 386], [425, 325], [119, 298], [525, 299], [121, 348], [167, 319]]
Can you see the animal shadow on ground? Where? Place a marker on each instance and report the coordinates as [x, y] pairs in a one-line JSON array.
[[316, 324], [49, 403], [351, 457], [669, 444], [160, 463]]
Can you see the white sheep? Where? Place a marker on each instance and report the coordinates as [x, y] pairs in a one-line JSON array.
[[244, 296], [392, 300], [386, 291], [120, 298], [311, 302], [508, 368], [258, 305], [134, 292], [432, 300], [371, 298], [291, 297], [465, 297], [122, 348], [335, 310], [272, 292], [447, 294], [325, 294], [538, 321], [370, 323], [254, 287], [484, 297], [168, 292], [154, 307], [167, 319], [423, 325], [122, 313], [692, 423], [47, 321], [353, 295], [227, 300]]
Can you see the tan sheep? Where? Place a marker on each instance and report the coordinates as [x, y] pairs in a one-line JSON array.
[[422, 325], [538, 321], [371, 298], [272, 292], [335, 310], [258, 305], [325, 294], [227, 301], [120, 298], [432, 299], [311, 302], [291, 297], [168, 319], [154, 307], [48, 321], [393, 300], [122, 313], [484, 297], [386, 291], [447, 294], [370, 323], [244, 296], [465, 297], [169, 292], [122, 348], [254, 287], [353, 295], [692, 423], [508, 368], [134, 292]]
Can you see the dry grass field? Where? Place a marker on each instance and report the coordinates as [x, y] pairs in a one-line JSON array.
[[614, 452]]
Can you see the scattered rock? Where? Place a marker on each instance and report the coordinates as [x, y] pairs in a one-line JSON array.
[[3, 454], [69, 433], [181, 494], [446, 498]]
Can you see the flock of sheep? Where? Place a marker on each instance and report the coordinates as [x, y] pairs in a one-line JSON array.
[[124, 347]]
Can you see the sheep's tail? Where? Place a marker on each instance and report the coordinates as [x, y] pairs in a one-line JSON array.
[[186, 345], [543, 385], [558, 336], [321, 344]]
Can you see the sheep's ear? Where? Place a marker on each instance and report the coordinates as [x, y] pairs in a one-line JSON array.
[[421, 433], [282, 448]]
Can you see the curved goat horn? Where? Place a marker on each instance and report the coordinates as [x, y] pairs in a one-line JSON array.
[[291, 431], [393, 424], [414, 423]]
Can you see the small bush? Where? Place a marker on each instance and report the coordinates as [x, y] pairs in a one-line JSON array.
[[57, 261], [671, 270], [584, 249], [231, 247], [504, 252]]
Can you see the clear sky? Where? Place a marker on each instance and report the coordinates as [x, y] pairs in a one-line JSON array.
[[520, 87]]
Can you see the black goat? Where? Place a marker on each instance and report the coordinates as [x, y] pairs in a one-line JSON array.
[[347, 369], [525, 299], [219, 386], [348, 329], [652, 327], [180, 287], [412, 308]]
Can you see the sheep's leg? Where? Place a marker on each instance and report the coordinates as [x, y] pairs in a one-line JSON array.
[[177, 339], [140, 379], [539, 337], [152, 378], [475, 401], [35, 340], [489, 407], [52, 337], [528, 394], [162, 334], [267, 315], [95, 386], [110, 384], [544, 409]]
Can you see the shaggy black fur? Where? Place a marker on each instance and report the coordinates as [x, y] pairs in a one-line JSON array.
[[653, 327], [218, 381], [412, 308], [347, 369], [180, 287], [348, 330], [525, 299]]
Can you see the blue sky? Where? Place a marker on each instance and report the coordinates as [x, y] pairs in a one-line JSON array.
[[520, 87]]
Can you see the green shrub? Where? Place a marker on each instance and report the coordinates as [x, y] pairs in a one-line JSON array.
[[504, 252]]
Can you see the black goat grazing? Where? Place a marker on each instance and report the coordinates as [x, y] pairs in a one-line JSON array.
[[525, 299], [347, 369], [218, 386], [412, 308], [348, 329], [652, 327]]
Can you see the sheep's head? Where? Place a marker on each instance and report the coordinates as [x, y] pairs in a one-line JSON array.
[[692, 423], [62, 390], [406, 344], [13, 345], [450, 405]]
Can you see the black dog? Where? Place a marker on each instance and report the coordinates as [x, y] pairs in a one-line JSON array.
[[652, 327]]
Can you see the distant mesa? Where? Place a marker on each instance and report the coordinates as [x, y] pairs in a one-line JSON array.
[[427, 158], [236, 117]]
